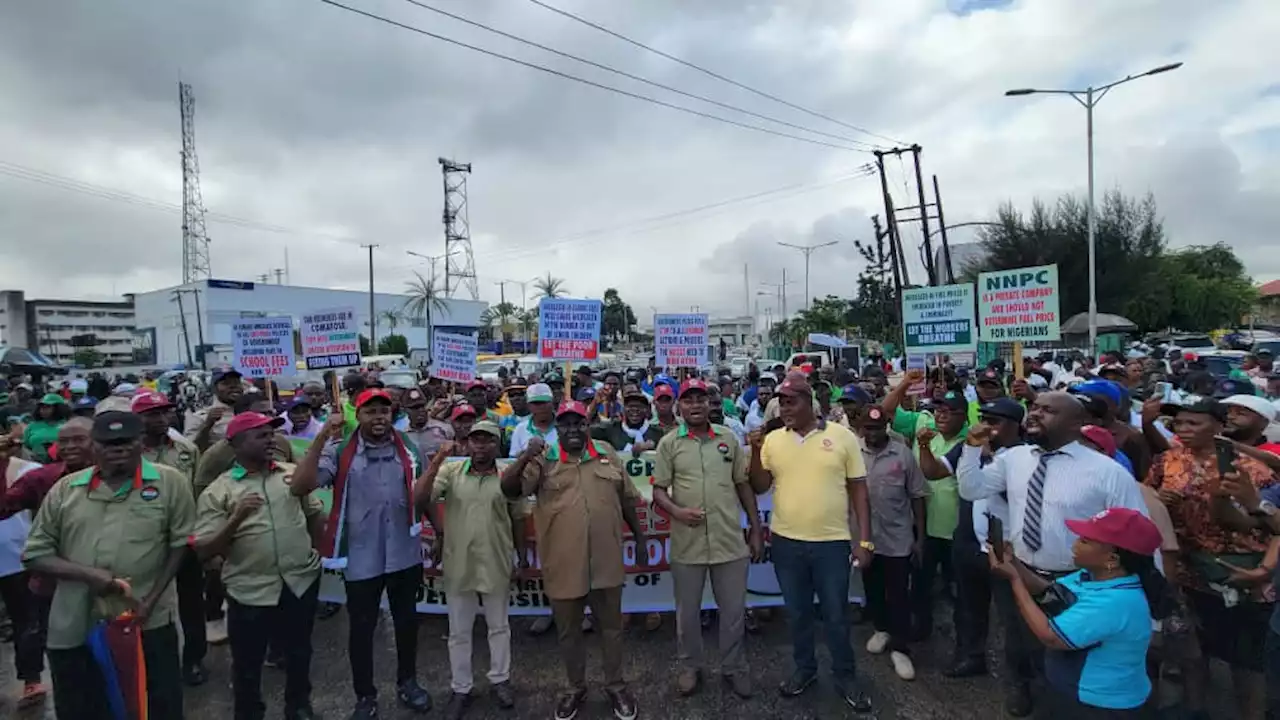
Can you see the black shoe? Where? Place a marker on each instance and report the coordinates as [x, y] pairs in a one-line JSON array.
[[623, 703], [275, 660], [752, 623], [411, 695], [502, 693], [967, 667], [327, 610], [706, 618], [1017, 700], [851, 692], [569, 704], [366, 709], [303, 713], [457, 707], [194, 675], [796, 684]]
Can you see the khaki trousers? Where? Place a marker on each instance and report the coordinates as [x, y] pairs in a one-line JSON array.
[[729, 587], [606, 607], [463, 607]]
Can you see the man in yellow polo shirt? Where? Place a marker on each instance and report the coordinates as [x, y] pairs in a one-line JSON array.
[[818, 476]]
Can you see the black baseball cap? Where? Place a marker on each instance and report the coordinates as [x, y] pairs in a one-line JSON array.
[[990, 375], [1003, 408], [116, 426], [219, 374], [1197, 404]]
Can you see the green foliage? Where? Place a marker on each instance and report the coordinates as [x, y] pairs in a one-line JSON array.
[[364, 346], [618, 319], [552, 287], [87, 357], [393, 345]]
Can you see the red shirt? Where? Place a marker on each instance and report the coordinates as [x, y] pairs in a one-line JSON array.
[[1270, 447], [28, 491]]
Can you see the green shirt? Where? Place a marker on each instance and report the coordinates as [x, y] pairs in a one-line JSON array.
[[179, 454], [704, 471], [942, 508], [220, 458], [479, 549], [272, 548], [37, 438], [128, 533]]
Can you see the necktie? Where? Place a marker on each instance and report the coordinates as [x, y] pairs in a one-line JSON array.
[[1035, 503]]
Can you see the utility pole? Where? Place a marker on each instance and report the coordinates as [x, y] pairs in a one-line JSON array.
[[950, 275], [924, 220], [373, 318], [204, 363], [891, 226], [182, 317], [808, 251], [502, 302], [893, 256], [264, 278], [279, 273]]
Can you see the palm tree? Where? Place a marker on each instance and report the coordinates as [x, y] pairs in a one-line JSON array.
[[551, 287], [391, 318], [424, 296]]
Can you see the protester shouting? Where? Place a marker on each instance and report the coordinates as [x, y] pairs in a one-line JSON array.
[[474, 552], [209, 425], [113, 536], [584, 498], [428, 433], [271, 571], [634, 431], [372, 535], [541, 422], [950, 416]]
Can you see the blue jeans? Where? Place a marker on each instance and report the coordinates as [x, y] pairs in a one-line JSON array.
[[806, 569]]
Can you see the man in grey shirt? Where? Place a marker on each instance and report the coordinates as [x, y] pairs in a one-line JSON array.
[[374, 537], [897, 489]]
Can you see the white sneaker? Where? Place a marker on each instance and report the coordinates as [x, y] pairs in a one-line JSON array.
[[215, 631], [877, 643], [902, 666]]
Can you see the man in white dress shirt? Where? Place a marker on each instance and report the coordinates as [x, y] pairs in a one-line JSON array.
[[1046, 483]]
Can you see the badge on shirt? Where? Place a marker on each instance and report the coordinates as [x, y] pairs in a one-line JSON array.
[[184, 457], [723, 448], [827, 444], [150, 492]]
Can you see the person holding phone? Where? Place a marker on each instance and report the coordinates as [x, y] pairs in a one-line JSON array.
[[1232, 621]]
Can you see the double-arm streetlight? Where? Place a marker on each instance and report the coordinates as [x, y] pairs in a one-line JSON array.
[[1090, 97]]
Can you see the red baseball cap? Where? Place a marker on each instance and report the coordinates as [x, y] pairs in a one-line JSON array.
[[694, 385], [795, 385], [1124, 528], [249, 421], [1101, 437], [477, 383], [663, 390], [149, 400], [462, 411], [575, 408], [373, 394]]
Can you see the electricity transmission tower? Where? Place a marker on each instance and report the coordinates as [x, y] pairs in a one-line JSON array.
[[195, 241], [459, 262]]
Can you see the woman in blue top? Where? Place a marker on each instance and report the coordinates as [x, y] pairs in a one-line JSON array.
[[1095, 622]]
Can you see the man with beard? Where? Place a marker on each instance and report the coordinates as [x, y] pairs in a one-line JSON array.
[[1248, 417], [208, 426], [271, 570], [161, 448], [1046, 483], [424, 431], [541, 422], [301, 418], [583, 501], [371, 535], [700, 480], [113, 536], [634, 432]]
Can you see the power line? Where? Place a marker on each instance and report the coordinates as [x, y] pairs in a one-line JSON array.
[[637, 78], [711, 73], [584, 81]]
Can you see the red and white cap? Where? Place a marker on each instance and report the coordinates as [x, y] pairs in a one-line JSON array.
[[1124, 528], [249, 421], [149, 400], [571, 408]]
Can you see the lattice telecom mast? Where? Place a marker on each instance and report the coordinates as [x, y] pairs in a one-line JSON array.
[[459, 261], [195, 241]]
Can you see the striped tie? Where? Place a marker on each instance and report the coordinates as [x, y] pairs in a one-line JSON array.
[[1035, 503]]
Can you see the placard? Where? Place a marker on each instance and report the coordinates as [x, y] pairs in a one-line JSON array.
[[263, 347], [680, 340], [569, 329], [330, 339], [453, 356], [1019, 305], [939, 319]]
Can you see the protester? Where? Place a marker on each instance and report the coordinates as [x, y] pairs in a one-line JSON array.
[[28, 613], [763, 394], [1112, 414], [1095, 622], [486, 530], [581, 552], [424, 431], [300, 420], [209, 425], [271, 571], [146, 513], [42, 430], [369, 536], [541, 422], [634, 431], [950, 417], [897, 490], [817, 473], [664, 408], [1053, 480], [220, 456], [700, 480]]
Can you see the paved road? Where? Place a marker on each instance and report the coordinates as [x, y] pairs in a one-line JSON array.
[[650, 667]]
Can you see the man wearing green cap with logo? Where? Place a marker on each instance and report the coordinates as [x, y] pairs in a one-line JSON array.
[[942, 509]]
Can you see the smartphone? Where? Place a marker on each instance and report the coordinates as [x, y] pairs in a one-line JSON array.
[[1226, 452], [995, 535], [1163, 390]]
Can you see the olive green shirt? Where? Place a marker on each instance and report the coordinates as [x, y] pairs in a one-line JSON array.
[[178, 453], [479, 548], [272, 548], [220, 458], [128, 533], [704, 471]]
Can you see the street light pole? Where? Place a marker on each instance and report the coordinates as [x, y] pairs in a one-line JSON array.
[[808, 251], [1091, 97]]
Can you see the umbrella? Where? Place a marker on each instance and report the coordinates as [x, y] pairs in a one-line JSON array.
[[1107, 323], [826, 340], [24, 359], [116, 646]]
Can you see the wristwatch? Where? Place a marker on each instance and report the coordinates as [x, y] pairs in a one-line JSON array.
[[1266, 508], [867, 545]]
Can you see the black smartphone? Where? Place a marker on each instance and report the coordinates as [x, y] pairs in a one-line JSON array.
[[1226, 452], [995, 535]]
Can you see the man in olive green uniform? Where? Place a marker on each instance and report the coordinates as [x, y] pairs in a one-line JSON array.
[[160, 447], [271, 570], [220, 457], [476, 556], [207, 426], [114, 536], [700, 480], [583, 498]]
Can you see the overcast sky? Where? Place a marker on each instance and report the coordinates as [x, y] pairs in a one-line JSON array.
[[323, 128]]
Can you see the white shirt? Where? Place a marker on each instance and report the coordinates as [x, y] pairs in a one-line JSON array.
[[995, 505], [1079, 484], [14, 529], [524, 432]]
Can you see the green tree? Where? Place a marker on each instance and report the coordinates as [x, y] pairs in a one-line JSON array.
[[873, 313], [393, 345], [87, 357], [392, 318], [424, 297], [618, 318], [365, 351], [551, 287]]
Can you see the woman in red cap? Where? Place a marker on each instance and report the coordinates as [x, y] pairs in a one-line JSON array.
[[1095, 622]]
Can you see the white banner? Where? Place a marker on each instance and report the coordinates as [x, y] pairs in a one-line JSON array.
[[680, 340], [453, 356]]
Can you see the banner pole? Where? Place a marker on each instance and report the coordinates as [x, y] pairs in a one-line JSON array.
[[1017, 359]]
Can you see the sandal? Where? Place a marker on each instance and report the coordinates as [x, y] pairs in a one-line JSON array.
[[33, 693]]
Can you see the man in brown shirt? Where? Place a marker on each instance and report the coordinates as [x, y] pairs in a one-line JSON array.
[[583, 498]]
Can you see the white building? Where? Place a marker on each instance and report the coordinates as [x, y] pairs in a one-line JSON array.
[[58, 328], [735, 331], [222, 302]]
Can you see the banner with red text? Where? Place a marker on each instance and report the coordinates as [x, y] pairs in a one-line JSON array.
[[263, 347], [680, 340]]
